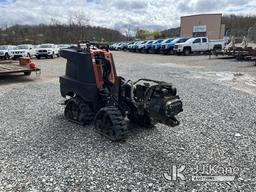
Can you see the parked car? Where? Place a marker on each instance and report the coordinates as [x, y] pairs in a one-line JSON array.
[[163, 45], [132, 47], [112, 46], [139, 46], [157, 45], [148, 46], [198, 44], [124, 46], [115, 46], [168, 46], [63, 46], [131, 44], [118, 46], [6, 51], [24, 50], [47, 51]]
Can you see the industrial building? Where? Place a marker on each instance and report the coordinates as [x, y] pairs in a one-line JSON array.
[[209, 25]]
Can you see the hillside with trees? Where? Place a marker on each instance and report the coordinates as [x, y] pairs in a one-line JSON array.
[[174, 32], [147, 34], [239, 26], [57, 33]]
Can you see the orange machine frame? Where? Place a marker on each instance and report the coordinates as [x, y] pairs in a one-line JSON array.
[[98, 70]]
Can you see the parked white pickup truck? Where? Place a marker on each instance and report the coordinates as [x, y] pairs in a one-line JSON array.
[[198, 44]]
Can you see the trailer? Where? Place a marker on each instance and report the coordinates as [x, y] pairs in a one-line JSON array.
[[240, 53], [24, 66]]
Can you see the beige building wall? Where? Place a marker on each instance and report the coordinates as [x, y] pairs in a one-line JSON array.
[[214, 28], [222, 32]]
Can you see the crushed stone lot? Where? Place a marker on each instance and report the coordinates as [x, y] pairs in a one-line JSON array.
[[41, 151]]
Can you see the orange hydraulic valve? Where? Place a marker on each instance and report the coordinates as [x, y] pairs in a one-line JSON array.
[[98, 70]]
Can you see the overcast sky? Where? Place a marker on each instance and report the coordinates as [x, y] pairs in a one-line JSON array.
[[117, 14]]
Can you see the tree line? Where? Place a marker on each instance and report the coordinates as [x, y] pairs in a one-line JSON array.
[[57, 33], [238, 21], [240, 26]]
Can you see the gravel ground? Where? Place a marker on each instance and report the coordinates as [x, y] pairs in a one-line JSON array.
[[41, 151]]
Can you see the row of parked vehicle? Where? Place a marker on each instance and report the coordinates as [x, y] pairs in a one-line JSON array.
[[179, 46], [29, 50]]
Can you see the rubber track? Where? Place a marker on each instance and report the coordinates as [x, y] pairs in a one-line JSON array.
[[118, 124]]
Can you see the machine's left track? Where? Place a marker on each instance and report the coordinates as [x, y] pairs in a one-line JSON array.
[[78, 111]]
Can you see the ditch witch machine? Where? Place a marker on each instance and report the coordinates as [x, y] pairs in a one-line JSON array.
[[94, 92]]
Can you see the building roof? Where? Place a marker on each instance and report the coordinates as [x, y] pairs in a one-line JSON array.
[[203, 14]]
